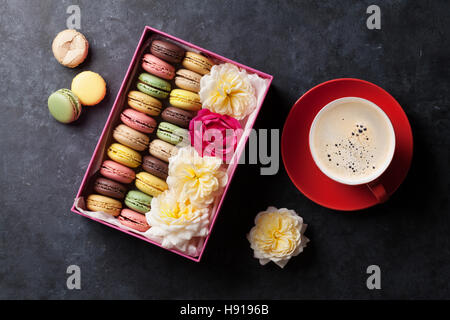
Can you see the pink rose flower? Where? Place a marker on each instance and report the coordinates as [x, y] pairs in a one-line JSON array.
[[215, 135]]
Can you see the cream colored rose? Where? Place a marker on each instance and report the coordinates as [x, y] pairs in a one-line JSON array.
[[277, 236], [228, 90], [176, 223], [198, 179]]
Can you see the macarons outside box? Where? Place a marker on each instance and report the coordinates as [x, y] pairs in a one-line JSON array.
[[106, 139]]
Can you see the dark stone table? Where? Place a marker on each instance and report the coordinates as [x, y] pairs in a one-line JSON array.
[[301, 43]]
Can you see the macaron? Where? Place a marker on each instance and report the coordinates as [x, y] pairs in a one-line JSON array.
[[197, 63], [158, 67], [162, 150], [117, 172], [138, 120], [156, 167], [178, 116], [110, 188], [124, 155], [184, 99], [133, 220], [188, 80], [138, 201], [171, 133], [167, 51], [144, 103], [70, 48], [96, 202], [131, 138], [153, 86], [64, 106], [150, 184], [90, 87]]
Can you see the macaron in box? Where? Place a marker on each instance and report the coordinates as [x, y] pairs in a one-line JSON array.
[[142, 112]]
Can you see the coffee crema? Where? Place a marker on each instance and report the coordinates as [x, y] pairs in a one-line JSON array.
[[352, 140]]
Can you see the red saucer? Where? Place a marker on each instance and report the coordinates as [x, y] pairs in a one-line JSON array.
[[298, 160]]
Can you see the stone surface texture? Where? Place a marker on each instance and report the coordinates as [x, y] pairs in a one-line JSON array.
[[301, 43]]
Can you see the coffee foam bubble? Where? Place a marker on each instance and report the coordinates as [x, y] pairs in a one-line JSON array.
[[353, 153], [351, 140]]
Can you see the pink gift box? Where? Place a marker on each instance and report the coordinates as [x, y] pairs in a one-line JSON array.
[[114, 118]]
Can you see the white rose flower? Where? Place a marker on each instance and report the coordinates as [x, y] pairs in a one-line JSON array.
[[174, 224], [228, 90], [198, 179], [277, 236]]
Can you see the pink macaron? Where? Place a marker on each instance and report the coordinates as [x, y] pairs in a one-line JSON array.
[[158, 67], [133, 220], [117, 172], [138, 120]]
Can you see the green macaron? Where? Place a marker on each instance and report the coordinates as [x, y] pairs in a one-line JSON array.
[[64, 106], [138, 201], [171, 133], [153, 86]]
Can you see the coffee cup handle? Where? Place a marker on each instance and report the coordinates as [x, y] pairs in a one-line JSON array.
[[378, 191]]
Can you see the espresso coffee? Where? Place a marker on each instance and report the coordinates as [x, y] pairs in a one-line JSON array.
[[352, 140]]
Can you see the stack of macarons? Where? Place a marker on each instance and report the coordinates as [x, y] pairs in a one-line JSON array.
[[160, 107]]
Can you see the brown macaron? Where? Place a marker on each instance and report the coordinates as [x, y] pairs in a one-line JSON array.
[[178, 116], [167, 51], [110, 188], [70, 48], [156, 167]]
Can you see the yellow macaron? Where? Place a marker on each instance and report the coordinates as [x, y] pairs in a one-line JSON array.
[[144, 103], [197, 63], [96, 202], [90, 88], [150, 184], [124, 155], [184, 99]]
